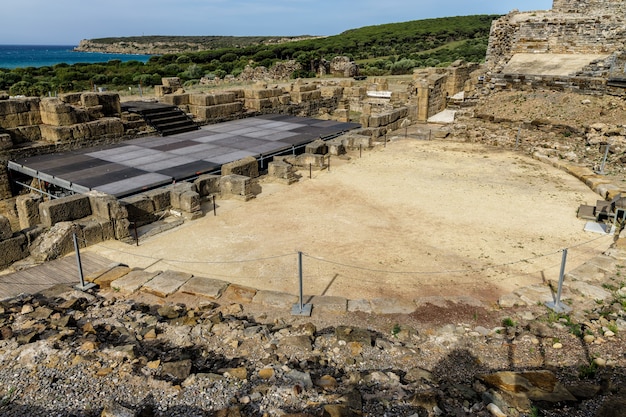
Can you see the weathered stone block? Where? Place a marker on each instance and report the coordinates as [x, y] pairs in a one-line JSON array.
[[237, 186], [308, 159], [28, 209], [161, 198], [248, 167], [54, 112], [316, 147], [13, 249], [207, 184], [5, 228], [282, 171], [189, 201], [54, 243], [73, 99], [19, 112], [331, 91], [64, 209], [175, 99], [263, 93], [172, 82], [216, 111], [140, 208], [336, 147], [105, 206], [212, 99], [96, 230], [6, 142]]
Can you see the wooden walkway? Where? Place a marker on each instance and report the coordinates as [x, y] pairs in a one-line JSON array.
[[49, 274]]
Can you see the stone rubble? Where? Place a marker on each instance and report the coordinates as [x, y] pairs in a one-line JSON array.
[[69, 353]]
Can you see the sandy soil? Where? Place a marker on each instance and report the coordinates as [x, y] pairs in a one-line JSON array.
[[414, 218]]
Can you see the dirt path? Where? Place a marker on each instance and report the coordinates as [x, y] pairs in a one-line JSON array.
[[417, 218]]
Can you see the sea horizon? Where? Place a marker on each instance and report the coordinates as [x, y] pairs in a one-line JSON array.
[[41, 55]]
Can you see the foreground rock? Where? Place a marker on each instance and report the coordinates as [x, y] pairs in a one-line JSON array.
[[68, 353]]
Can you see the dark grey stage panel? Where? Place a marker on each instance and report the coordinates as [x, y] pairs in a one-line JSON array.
[[149, 162]]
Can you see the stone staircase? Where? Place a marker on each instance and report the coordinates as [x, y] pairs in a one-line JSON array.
[[165, 119]]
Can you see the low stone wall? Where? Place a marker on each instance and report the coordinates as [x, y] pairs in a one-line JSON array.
[[580, 85], [248, 167]]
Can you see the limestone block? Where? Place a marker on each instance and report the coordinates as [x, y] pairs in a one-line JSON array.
[[71, 98], [13, 249], [140, 208], [105, 206], [263, 93], [95, 231], [64, 209], [110, 103], [331, 91], [25, 134], [5, 228], [282, 171], [237, 186], [121, 228], [55, 133], [175, 99], [189, 201], [89, 99], [212, 99], [6, 142], [248, 167], [172, 82], [317, 147], [161, 198], [28, 209], [207, 184], [308, 159], [305, 96], [299, 87], [336, 147], [257, 104], [19, 112], [216, 111], [54, 112], [54, 243]]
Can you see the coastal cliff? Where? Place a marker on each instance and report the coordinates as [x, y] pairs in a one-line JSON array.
[[158, 45]]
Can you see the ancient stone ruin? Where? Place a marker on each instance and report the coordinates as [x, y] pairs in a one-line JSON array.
[[577, 46]]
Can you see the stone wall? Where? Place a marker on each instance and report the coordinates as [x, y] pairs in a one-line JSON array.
[[571, 27]]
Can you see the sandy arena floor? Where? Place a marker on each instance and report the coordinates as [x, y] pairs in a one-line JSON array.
[[416, 218]]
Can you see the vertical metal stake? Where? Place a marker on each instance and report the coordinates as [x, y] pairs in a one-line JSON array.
[[79, 264], [606, 154], [556, 304], [360, 150], [136, 233], [300, 309], [329, 163], [214, 211], [310, 171]]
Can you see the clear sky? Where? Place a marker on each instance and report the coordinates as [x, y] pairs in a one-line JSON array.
[[66, 22]]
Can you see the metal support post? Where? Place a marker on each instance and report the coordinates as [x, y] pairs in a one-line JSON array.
[[79, 264], [214, 208], [556, 304], [310, 171], [606, 154], [300, 309]]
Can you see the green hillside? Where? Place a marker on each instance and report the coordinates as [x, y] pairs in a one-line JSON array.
[[395, 48]]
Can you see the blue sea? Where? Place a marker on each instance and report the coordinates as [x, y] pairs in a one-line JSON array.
[[21, 56]]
